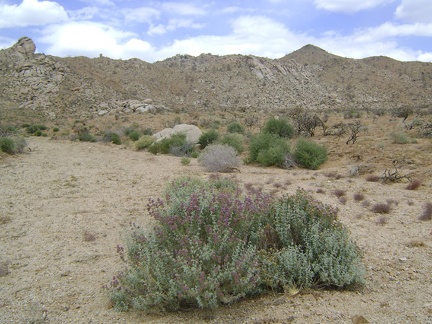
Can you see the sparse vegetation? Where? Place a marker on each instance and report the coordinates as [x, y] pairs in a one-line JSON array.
[[401, 138], [358, 196], [373, 178], [85, 136], [231, 247]]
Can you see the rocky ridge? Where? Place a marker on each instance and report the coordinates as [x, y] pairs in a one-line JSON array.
[[53, 87]]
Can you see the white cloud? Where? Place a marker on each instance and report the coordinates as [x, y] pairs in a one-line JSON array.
[[31, 13], [173, 24], [99, 2], [85, 13], [183, 8], [255, 35], [140, 15], [92, 39], [349, 6], [415, 11]]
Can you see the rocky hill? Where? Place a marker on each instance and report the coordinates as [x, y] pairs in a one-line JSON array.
[[45, 86]]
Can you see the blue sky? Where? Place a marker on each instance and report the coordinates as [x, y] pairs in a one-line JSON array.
[[155, 30]]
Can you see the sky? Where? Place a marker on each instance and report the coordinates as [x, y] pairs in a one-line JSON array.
[[155, 30]]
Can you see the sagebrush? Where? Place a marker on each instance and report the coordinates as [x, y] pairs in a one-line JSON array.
[[213, 245]]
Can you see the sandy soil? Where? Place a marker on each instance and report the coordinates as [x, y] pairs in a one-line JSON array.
[[65, 206]]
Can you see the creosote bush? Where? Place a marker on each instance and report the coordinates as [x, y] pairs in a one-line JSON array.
[[268, 150], [208, 138], [144, 142], [278, 127], [310, 154], [235, 127], [12, 144], [112, 137], [213, 245]]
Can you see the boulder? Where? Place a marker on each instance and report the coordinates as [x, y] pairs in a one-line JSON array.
[[192, 132]]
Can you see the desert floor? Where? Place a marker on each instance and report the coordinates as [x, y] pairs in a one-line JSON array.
[[64, 207]]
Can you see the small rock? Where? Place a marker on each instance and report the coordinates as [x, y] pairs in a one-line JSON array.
[[359, 319]]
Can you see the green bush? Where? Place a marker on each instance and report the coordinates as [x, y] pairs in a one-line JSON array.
[[234, 140], [144, 142], [85, 136], [35, 129], [208, 138], [279, 127], [12, 145], [112, 137], [166, 144], [309, 154], [401, 138], [268, 149], [235, 127], [211, 245]]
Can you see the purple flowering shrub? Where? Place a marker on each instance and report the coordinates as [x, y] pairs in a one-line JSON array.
[[213, 245]]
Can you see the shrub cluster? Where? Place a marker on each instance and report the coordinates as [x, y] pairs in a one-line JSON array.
[[112, 137], [36, 130], [175, 145], [212, 245], [208, 138], [235, 127], [144, 142]]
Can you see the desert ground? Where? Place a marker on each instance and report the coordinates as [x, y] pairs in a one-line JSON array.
[[65, 205]]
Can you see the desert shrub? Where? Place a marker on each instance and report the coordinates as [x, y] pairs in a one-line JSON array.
[[6, 130], [219, 158], [427, 212], [185, 161], [164, 146], [134, 135], [208, 138], [373, 178], [401, 138], [85, 136], [235, 127], [211, 245], [12, 144], [413, 184], [381, 208], [309, 154], [339, 193], [144, 142], [35, 129], [184, 149], [234, 140], [112, 137], [265, 148], [279, 127], [358, 196]]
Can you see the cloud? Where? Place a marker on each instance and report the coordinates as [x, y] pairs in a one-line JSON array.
[[174, 24], [140, 15], [183, 8], [31, 13], [256, 35], [99, 2], [415, 11], [91, 39], [349, 6]]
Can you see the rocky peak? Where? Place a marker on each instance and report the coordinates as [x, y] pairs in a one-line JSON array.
[[25, 46]]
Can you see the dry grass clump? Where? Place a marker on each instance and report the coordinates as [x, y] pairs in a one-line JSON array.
[[413, 184], [358, 196], [343, 200], [89, 236], [320, 190], [373, 178], [415, 243], [339, 193], [382, 220], [381, 208], [427, 212]]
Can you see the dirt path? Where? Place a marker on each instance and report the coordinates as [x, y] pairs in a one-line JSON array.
[[66, 205]]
